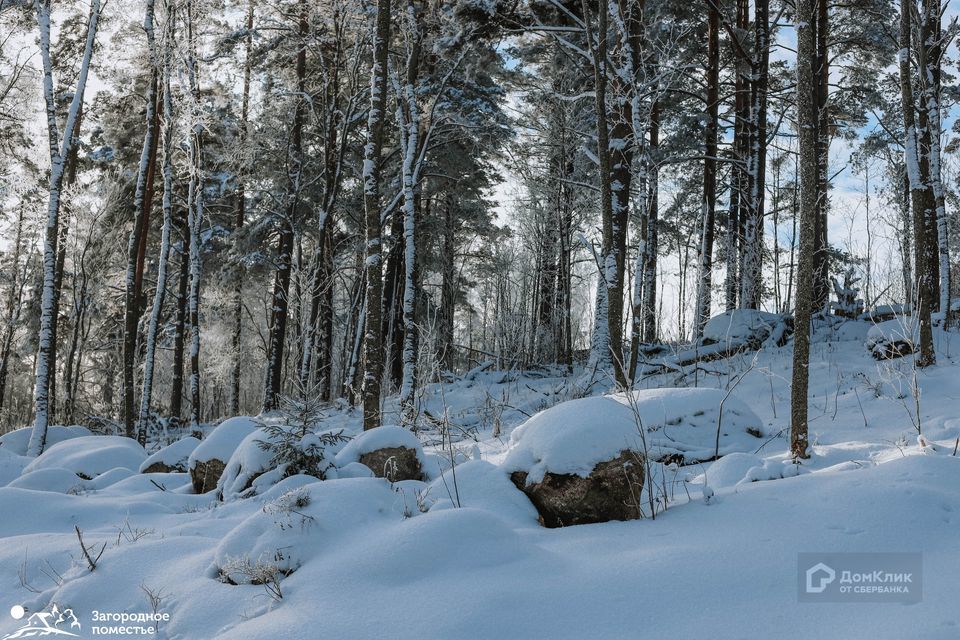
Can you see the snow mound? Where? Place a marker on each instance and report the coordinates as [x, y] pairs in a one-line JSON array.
[[380, 438], [53, 479], [893, 338], [746, 327], [11, 466], [17, 441], [481, 485], [172, 457], [89, 456], [220, 443], [110, 478], [302, 523], [680, 425]]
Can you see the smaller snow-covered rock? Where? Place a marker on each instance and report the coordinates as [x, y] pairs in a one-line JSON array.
[[89, 456], [746, 327], [481, 485], [390, 452], [208, 460], [893, 338], [53, 479], [172, 458], [17, 441]]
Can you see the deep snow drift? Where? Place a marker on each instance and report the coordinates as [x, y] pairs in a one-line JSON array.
[[460, 554]]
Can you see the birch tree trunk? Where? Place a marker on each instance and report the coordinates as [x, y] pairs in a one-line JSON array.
[[59, 151]]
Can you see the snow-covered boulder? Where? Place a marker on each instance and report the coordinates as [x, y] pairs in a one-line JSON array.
[[300, 523], [390, 452], [17, 441], [89, 456], [53, 479], [747, 328], [893, 338], [208, 460], [171, 459], [680, 425]]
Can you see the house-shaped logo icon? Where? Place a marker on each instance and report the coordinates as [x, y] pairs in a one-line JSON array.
[[819, 576]]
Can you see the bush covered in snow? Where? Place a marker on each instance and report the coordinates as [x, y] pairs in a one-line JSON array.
[[273, 452]]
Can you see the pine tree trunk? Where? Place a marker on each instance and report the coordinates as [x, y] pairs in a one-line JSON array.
[[652, 244], [142, 202], [709, 203], [153, 328], [373, 350], [821, 249], [281, 286], [809, 194], [194, 219], [180, 323], [920, 203], [240, 215]]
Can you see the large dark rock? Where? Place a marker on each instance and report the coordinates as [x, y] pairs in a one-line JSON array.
[[393, 463], [612, 491], [205, 474]]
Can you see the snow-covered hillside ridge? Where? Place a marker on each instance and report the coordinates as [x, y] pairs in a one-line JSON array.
[[458, 552]]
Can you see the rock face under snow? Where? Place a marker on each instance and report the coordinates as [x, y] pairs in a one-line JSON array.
[[611, 491], [209, 459], [747, 328], [171, 459], [893, 338], [390, 452], [89, 456], [17, 441]]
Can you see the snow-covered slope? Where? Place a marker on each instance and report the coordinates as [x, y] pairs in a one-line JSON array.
[[464, 557]]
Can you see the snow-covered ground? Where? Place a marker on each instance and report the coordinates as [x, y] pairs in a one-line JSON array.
[[461, 555]]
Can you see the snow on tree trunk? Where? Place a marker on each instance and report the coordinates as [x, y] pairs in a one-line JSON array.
[[59, 150], [408, 116], [194, 217], [141, 206], [912, 159], [373, 362], [161, 290]]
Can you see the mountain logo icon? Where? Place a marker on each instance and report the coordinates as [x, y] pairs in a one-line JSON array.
[[43, 624]]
